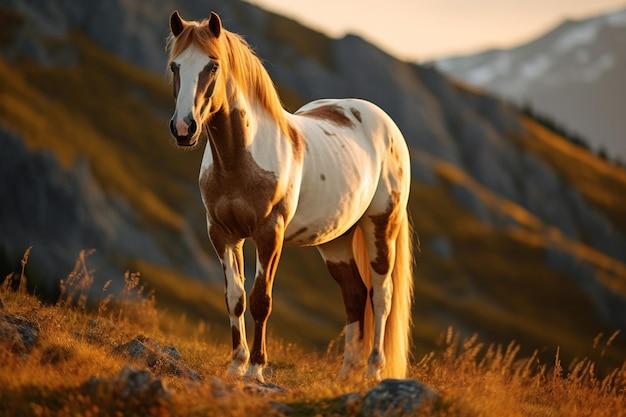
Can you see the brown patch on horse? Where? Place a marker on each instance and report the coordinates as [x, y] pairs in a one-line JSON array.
[[239, 307], [236, 337], [260, 307], [353, 290], [175, 69], [329, 112], [297, 141], [206, 81], [357, 114], [238, 193], [294, 235], [385, 229]]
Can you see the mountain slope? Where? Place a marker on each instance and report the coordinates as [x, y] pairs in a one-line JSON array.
[[516, 244], [574, 73]]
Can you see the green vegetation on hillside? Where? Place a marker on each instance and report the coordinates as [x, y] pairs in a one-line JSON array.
[[496, 281], [601, 183], [104, 110]]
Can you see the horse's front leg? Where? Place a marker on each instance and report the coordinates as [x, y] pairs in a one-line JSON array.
[[230, 253], [269, 242]]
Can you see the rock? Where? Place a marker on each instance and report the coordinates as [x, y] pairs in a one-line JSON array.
[[172, 352], [283, 409], [397, 397], [137, 349], [19, 334], [346, 404], [148, 351], [263, 388], [131, 382]]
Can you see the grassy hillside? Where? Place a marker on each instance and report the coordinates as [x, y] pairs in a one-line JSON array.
[[602, 183], [54, 373], [103, 110], [495, 283]]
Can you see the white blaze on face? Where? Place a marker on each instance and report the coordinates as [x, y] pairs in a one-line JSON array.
[[190, 63]]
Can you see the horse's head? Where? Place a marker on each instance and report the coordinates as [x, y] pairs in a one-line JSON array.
[[197, 79]]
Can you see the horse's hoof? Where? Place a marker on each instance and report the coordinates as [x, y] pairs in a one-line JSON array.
[[237, 369], [255, 372]]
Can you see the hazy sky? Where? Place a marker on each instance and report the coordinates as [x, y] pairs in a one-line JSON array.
[[425, 29]]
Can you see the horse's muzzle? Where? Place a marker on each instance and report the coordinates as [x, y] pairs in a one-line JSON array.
[[185, 134]]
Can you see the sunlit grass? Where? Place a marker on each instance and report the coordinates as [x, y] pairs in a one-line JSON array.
[[474, 378], [497, 283], [496, 380]]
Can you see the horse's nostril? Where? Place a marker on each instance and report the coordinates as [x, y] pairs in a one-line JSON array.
[[192, 127]]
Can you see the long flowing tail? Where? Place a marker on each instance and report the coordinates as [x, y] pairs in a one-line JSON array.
[[398, 328]]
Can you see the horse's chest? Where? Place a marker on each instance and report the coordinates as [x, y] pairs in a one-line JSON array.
[[239, 200]]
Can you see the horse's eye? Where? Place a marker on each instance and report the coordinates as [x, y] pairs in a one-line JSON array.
[[215, 67], [173, 67]]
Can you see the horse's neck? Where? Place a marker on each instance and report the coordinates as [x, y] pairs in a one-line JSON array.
[[227, 136], [236, 129]]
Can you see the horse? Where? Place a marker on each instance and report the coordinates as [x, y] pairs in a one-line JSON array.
[[335, 174]]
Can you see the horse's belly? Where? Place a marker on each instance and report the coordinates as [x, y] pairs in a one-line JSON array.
[[322, 218], [307, 233]]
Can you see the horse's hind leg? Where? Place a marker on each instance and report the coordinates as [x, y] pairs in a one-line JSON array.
[[342, 266], [379, 232]]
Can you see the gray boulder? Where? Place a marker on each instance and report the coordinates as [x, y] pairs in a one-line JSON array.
[[398, 397], [17, 333], [148, 352], [130, 383]]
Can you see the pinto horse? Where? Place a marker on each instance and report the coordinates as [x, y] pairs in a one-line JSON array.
[[335, 174]]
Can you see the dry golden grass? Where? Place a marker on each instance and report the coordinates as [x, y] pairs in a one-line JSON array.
[[496, 381], [77, 340]]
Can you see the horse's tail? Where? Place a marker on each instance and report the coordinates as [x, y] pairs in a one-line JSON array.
[[398, 327]]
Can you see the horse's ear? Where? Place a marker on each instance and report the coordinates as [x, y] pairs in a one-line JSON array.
[[177, 24], [215, 24]]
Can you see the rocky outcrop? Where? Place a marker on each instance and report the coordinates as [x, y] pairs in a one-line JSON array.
[[398, 397], [389, 398], [133, 384], [148, 352], [18, 334]]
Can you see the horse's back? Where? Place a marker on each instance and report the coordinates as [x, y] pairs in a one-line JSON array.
[[375, 129], [361, 120]]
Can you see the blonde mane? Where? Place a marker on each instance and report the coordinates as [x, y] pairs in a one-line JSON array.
[[237, 61]]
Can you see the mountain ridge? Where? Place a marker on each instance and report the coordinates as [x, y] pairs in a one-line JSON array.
[[568, 73]]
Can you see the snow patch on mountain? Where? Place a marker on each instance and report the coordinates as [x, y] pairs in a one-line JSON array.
[[575, 74]]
